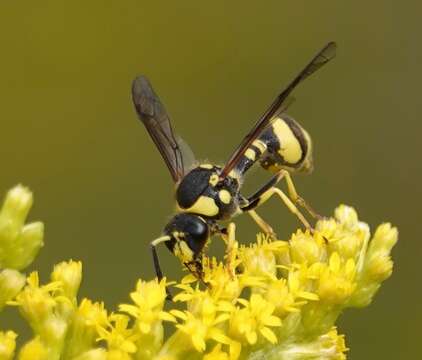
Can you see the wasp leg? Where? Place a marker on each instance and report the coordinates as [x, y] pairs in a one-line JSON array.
[[268, 190], [157, 267], [196, 269], [298, 200], [215, 229], [228, 236], [231, 249], [265, 227]]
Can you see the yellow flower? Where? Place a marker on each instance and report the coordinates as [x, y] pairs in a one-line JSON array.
[[306, 248], [94, 354], [34, 350], [328, 346], [337, 342], [270, 299], [254, 318], [216, 354], [222, 283], [287, 296], [203, 322], [259, 259], [7, 345], [38, 305], [149, 298], [92, 313], [378, 264], [336, 280], [299, 281], [82, 334], [69, 274], [345, 234], [118, 336]]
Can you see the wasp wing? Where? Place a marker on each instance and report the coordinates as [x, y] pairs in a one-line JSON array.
[[176, 153], [279, 105]]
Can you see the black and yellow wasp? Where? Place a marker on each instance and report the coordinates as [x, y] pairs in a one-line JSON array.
[[206, 193]]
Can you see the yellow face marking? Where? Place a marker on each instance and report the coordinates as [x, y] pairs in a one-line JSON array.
[[291, 150], [224, 196], [250, 154], [214, 179], [204, 206], [260, 145], [183, 252], [206, 166]]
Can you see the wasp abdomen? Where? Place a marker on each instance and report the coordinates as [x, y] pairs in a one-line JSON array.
[[284, 144]]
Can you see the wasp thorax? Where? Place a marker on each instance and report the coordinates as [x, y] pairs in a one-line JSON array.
[[202, 192], [188, 235]]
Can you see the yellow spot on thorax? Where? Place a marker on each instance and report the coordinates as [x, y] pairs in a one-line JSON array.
[[224, 196], [203, 206], [206, 166], [214, 178], [290, 146]]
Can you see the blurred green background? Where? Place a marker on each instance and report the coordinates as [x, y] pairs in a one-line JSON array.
[[69, 131]]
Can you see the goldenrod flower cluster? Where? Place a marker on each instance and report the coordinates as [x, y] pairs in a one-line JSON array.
[[271, 299]]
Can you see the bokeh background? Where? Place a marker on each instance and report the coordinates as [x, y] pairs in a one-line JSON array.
[[68, 129]]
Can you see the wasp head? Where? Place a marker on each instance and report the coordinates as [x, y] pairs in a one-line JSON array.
[[188, 235]]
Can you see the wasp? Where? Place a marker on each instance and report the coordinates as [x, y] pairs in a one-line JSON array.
[[206, 193]]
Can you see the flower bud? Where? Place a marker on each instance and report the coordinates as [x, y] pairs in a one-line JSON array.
[[305, 248], [19, 243], [69, 274], [11, 282], [7, 345], [34, 349]]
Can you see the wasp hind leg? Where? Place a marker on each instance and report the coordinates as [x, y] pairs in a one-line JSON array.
[[157, 266], [268, 190], [298, 200]]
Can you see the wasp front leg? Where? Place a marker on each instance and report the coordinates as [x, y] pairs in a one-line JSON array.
[[231, 249], [156, 262], [196, 269]]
